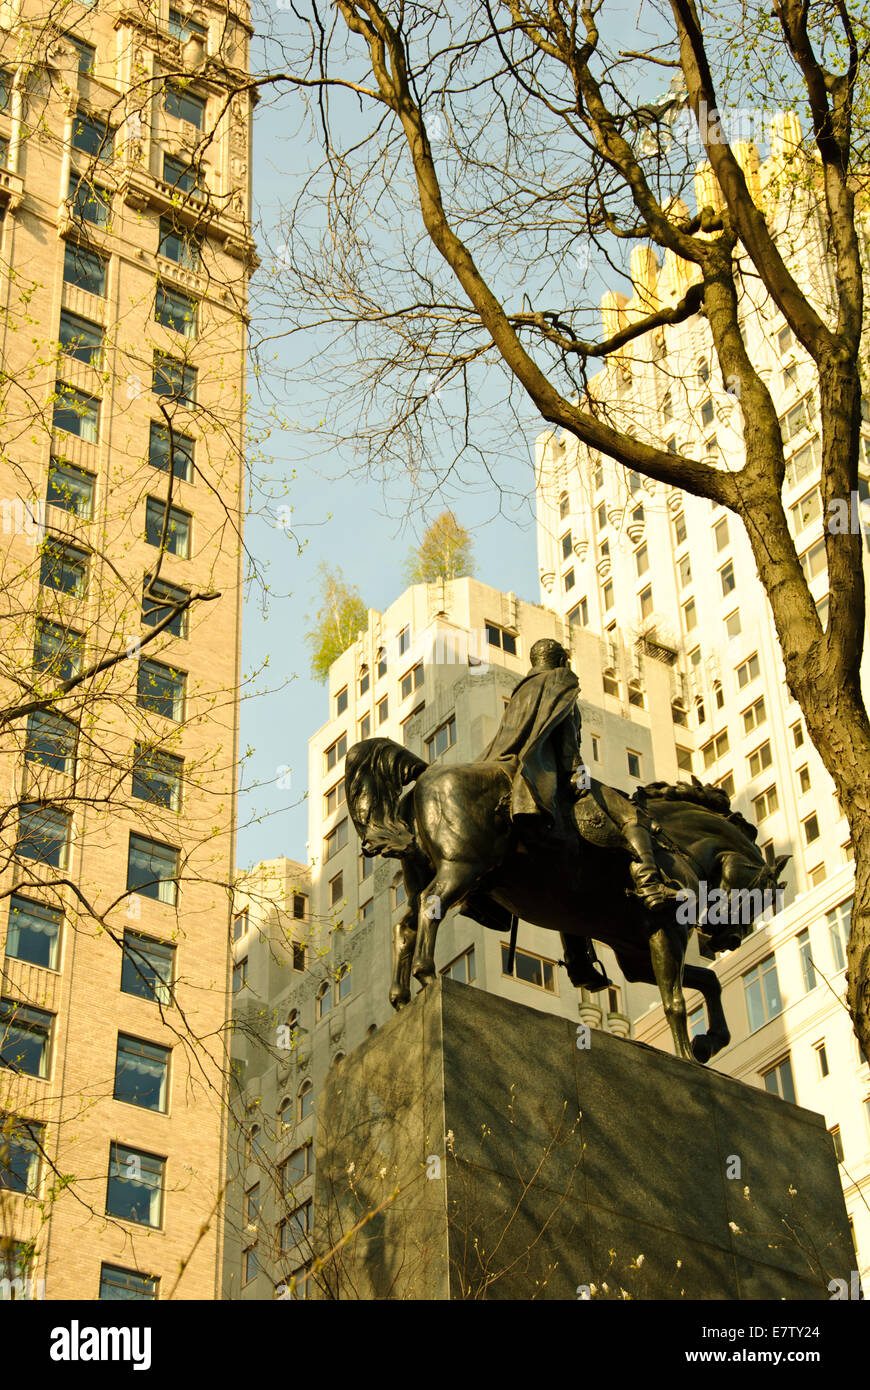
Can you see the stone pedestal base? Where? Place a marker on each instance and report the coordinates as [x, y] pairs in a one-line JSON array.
[[502, 1161]]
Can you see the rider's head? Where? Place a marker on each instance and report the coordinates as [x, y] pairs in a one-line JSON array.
[[548, 653]]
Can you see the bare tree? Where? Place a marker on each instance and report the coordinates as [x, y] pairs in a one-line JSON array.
[[466, 158]]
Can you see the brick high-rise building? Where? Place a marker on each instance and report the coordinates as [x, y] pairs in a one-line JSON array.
[[125, 252]]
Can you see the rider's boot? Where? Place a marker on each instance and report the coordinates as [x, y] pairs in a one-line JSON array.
[[648, 882], [584, 970]]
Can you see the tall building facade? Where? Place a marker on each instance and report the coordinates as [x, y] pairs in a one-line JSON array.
[[654, 568], [434, 672], [125, 252]]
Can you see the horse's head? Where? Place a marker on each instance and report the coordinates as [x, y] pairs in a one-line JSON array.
[[376, 770]]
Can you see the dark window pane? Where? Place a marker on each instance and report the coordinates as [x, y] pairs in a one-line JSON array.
[[146, 970], [152, 869], [70, 489], [181, 464], [33, 932], [43, 834], [51, 741], [24, 1037], [141, 1073], [154, 611], [135, 1186], [118, 1283], [160, 689], [84, 269]]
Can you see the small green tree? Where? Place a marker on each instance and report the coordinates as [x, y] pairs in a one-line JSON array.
[[341, 615], [445, 552]]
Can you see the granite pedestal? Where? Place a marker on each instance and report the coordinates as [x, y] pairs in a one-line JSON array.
[[503, 1161]]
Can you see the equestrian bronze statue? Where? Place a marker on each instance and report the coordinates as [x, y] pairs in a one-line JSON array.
[[524, 832]]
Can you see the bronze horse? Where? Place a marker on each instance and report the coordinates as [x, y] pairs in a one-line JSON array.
[[458, 847]]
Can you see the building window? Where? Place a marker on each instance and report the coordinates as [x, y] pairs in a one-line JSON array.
[[732, 625], [86, 53], [564, 506], [383, 708], [411, 681], [181, 175], [81, 339], [601, 516], [780, 1082], [50, 741], [342, 983], [173, 378], [814, 561], [765, 804], [152, 869], [250, 1264], [837, 1141], [33, 932], [335, 752], [797, 734], [748, 670], [568, 580], [579, 614], [811, 829], [462, 968], [84, 269], [160, 689], [43, 834], [241, 925], [760, 759], [92, 136], [70, 489], [341, 701], [300, 903], [175, 310], [696, 1021], [803, 777], [531, 969], [117, 1283], [805, 956], [707, 412], [799, 418], [336, 889], [607, 595], [567, 545], [634, 763], [294, 1230], [240, 974], [177, 243], [754, 715], [76, 413], [367, 911], [334, 798], [720, 534], [442, 739], [636, 694], [761, 988], [157, 777], [690, 615], [63, 567], [404, 640], [822, 1059], [159, 601], [641, 560], [680, 530], [727, 579], [684, 571], [716, 748], [22, 1143], [177, 459], [184, 106], [839, 921], [610, 682], [147, 968], [365, 726], [295, 1169], [25, 1038], [298, 952], [88, 202], [335, 840], [398, 892], [817, 875], [684, 759], [305, 1103], [807, 510], [141, 1073], [364, 681], [135, 1190], [499, 637]]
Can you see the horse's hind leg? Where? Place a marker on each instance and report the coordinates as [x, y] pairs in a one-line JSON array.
[[706, 1045], [404, 939], [452, 884], [667, 948]]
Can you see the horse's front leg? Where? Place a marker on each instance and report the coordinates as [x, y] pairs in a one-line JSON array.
[[404, 940], [667, 948], [452, 884]]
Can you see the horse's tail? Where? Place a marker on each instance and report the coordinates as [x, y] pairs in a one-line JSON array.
[[376, 770]]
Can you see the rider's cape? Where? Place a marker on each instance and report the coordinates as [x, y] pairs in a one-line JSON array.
[[531, 730]]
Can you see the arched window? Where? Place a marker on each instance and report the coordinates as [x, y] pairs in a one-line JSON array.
[[610, 681], [703, 369], [363, 679], [700, 711], [305, 1103], [255, 1144], [564, 506], [342, 982], [718, 694], [285, 1113], [382, 662], [323, 1000], [636, 694], [679, 713]]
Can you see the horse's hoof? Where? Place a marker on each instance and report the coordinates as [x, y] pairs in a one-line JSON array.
[[425, 977], [702, 1048], [399, 1000]]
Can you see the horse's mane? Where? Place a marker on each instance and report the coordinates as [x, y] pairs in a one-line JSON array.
[[382, 767], [698, 794]]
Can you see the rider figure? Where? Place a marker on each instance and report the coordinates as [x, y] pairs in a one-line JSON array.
[[540, 728]]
